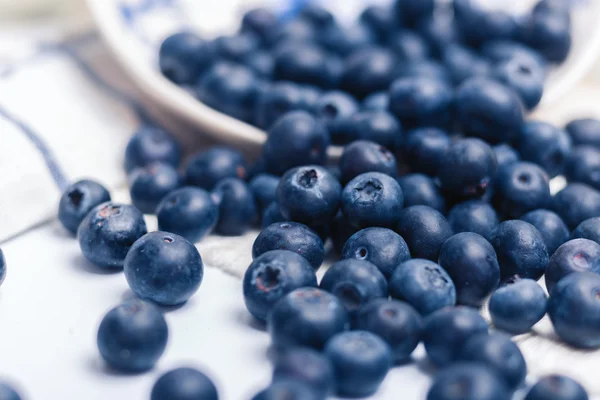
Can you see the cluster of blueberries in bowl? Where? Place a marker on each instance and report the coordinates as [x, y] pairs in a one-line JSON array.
[[439, 204]]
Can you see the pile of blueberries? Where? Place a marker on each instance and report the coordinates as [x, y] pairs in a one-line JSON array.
[[440, 201]]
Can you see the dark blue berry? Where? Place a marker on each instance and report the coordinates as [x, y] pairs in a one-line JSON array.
[[364, 156], [184, 384], [519, 188], [518, 306], [295, 139], [209, 167], [500, 51], [447, 330], [520, 249], [478, 25], [360, 360], [305, 63], [150, 145], [380, 246], [576, 203], [577, 255], [340, 231], [260, 22], [395, 322], [583, 165], [424, 285], [289, 389], [380, 19], [271, 215], [551, 226], [505, 155], [108, 232], [464, 63], [588, 229], [368, 70], [236, 48], [279, 98], [421, 190], [150, 184], [343, 40], [552, 5], [378, 101], [425, 230], [545, 145], [372, 199], [132, 336], [525, 76], [77, 200], [408, 46], [549, 33], [557, 387], [378, 126], [332, 109], [317, 15], [299, 30], [307, 366], [468, 381], [411, 11], [262, 64], [264, 188], [424, 149], [440, 31], [183, 57], [2, 267], [473, 216], [428, 69], [7, 392], [584, 132], [306, 317], [271, 276], [237, 208]]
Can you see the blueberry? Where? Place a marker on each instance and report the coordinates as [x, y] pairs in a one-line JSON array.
[[551, 226], [289, 390], [409, 46], [77, 200], [343, 40], [545, 145], [489, 110], [584, 132], [468, 381], [552, 5], [395, 322], [473, 216], [309, 194], [298, 30], [577, 255], [464, 63], [467, 168], [424, 285], [525, 76], [262, 63], [317, 15], [411, 11], [149, 145], [7, 392], [428, 69], [260, 22], [150, 184], [378, 126], [549, 33], [229, 88], [378, 101], [419, 101], [341, 231], [380, 246], [360, 360], [583, 165], [479, 25], [505, 155], [368, 70], [307, 366], [280, 98], [107, 233], [574, 311], [295, 139], [333, 108], [184, 384], [305, 63], [422, 190], [557, 387], [237, 209], [425, 230], [588, 229], [521, 187], [306, 317], [518, 306], [271, 276], [576, 203], [264, 188], [2, 267], [500, 51], [379, 19], [132, 336], [364, 156], [355, 283], [424, 149], [183, 57], [271, 215], [372, 199], [471, 262], [440, 31], [447, 330], [521, 250], [236, 48]]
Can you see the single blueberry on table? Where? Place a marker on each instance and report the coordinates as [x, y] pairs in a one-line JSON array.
[[209, 167], [520, 249], [447, 330], [133, 336], [505, 155], [289, 389], [237, 208], [362, 156], [557, 387], [345, 39], [2, 267], [378, 126], [271, 215], [408, 45], [489, 110], [471, 262], [576, 203], [424, 149], [525, 76], [588, 229], [549, 33], [499, 353], [468, 381], [279, 98], [545, 145], [184, 384], [368, 70], [355, 283], [77, 200], [307, 366], [412, 11], [333, 109], [421, 190], [309, 194], [395, 322], [574, 309], [150, 184], [7, 392], [473, 216], [164, 268], [271, 276], [577, 255], [378, 101], [108, 232], [306, 317], [583, 165], [264, 188], [519, 188], [551, 226], [584, 132], [305, 63], [340, 231], [463, 63], [237, 47], [425, 231], [295, 139], [149, 145], [424, 285], [360, 360], [467, 168], [183, 57], [291, 236], [517, 306], [380, 246], [261, 22]]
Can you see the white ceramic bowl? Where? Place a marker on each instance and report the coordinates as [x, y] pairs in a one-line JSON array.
[[134, 29]]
